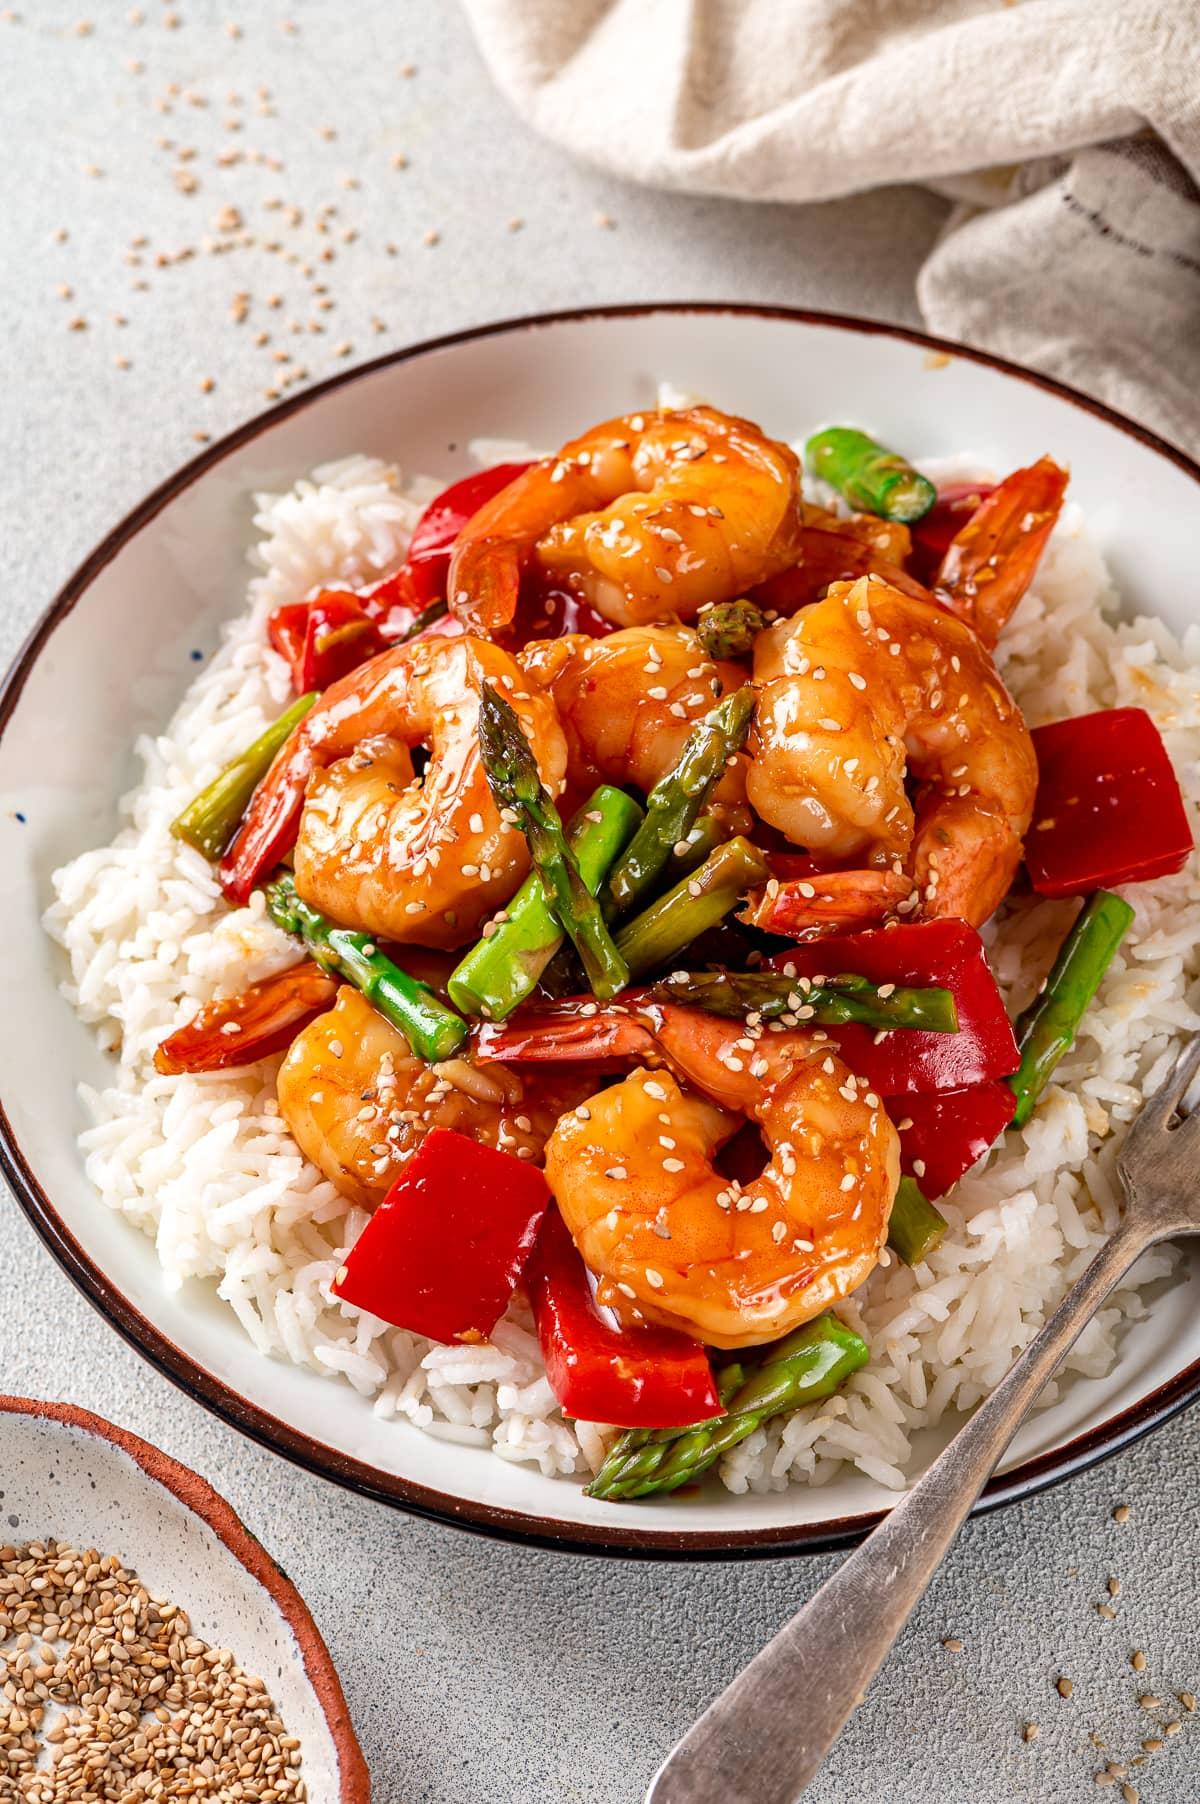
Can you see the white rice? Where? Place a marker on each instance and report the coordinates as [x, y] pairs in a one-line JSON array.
[[205, 1166]]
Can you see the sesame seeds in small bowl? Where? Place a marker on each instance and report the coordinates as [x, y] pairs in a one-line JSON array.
[[147, 1640]]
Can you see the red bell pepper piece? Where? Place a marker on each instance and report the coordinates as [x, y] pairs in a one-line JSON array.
[[257, 1021], [338, 638], [933, 536], [945, 953], [944, 1133], [1108, 808], [435, 532], [324, 638], [442, 1253], [637, 1377], [286, 628]]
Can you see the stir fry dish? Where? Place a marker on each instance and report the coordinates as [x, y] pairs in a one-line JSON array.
[[635, 838]]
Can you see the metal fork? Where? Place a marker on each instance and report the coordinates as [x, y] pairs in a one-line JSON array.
[[766, 1736]]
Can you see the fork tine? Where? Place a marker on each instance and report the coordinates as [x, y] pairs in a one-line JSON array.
[[1170, 1093]]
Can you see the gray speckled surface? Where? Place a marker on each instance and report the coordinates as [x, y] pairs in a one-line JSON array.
[[477, 1671]]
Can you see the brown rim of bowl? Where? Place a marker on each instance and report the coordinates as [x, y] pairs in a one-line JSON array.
[[197, 1495], [624, 1537]]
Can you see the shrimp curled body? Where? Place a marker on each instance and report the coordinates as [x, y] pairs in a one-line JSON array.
[[674, 1242], [628, 701], [359, 1103], [410, 858], [647, 517], [863, 688]]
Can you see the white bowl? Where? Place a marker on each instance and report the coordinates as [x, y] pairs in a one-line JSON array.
[[111, 659], [68, 1475]]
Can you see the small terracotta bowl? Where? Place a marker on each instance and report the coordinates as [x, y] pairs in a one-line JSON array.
[[69, 1475]]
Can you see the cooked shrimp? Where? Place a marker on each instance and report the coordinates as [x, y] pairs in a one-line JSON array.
[[673, 1241], [423, 858], [992, 561], [859, 690], [359, 1103], [648, 517], [627, 702], [826, 902]]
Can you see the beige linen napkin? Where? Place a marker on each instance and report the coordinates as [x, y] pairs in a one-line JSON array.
[[1067, 132]]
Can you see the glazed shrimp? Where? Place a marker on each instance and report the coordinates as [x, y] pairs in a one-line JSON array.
[[674, 1242], [627, 702], [993, 560], [359, 1104], [647, 517], [859, 690], [411, 858]]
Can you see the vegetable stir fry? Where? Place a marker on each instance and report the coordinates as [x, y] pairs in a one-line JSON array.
[[649, 813]]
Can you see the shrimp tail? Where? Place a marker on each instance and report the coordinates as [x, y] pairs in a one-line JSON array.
[[569, 1032], [805, 908], [271, 823], [485, 583], [991, 563]]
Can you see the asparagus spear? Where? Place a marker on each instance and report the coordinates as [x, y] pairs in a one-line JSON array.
[[512, 775], [500, 972], [708, 833], [696, 903], [678, 797], [869, 475], [1048, 1026], [211, 819], [915, 1226], [432, 1029], [728, 629], [830, 1003], [729, 1380], [810, 1364]]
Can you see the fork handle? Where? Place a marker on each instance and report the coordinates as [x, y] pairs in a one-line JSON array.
[[765, 1737]]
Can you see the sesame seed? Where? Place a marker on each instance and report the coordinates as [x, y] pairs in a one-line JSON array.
[[1137, 1660], [1031, 1731], [952, 1644], [617, 1173], [1064, 1687], [1121, 1513]]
